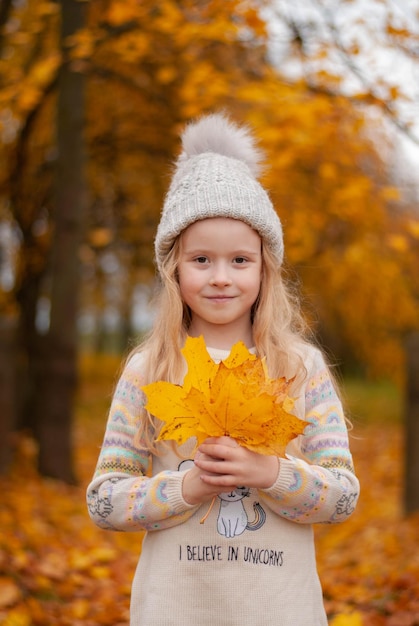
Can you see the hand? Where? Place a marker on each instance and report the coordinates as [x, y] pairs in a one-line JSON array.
[[225, 465], [194, 489]]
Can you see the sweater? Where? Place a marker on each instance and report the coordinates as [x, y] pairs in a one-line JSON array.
[[252, 563]]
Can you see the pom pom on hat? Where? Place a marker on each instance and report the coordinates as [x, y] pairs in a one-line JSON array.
[[215, 176], [215, 133]]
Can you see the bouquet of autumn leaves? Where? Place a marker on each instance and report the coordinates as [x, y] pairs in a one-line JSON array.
[[235, 398]]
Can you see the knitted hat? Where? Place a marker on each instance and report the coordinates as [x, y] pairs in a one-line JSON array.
[[216, 177]]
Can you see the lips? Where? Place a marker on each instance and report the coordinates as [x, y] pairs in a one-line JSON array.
[[220, 298]]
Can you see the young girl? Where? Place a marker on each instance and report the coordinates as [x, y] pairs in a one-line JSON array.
[[219, 252]]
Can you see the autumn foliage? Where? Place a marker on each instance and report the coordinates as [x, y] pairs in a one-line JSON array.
[[351, 236], [151, 68], [234, 398], [58, 569]]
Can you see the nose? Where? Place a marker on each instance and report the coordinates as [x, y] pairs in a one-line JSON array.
[[220, 275]]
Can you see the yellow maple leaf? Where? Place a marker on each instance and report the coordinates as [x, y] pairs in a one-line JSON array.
[[235, 398]]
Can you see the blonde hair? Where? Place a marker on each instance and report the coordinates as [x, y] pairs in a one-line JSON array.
[[280, 331]]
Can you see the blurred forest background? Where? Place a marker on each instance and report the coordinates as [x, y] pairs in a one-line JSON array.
[[93, 96]]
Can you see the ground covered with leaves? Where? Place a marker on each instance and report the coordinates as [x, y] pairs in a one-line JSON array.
[[57, 569]]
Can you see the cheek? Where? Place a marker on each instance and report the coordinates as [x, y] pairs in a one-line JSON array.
[[182, 287], [188, 283], [257, 282], [182, 277]]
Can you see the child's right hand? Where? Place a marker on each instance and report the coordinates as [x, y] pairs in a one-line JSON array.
[[194, 489]]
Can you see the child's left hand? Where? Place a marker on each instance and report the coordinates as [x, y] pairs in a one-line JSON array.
[[232, 465]]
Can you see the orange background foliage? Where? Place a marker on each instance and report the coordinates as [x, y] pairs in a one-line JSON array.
[[352, 238], [351, 230]]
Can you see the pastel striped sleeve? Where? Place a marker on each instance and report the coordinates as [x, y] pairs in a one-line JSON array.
[[326, 442], [121, 496], [317, 483]]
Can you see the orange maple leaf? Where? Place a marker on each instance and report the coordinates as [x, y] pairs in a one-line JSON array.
[[235, 398]]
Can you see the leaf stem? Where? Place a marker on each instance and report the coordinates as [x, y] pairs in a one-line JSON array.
[[208, 512]]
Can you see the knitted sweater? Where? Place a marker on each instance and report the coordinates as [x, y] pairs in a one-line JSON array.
[[252, 563]]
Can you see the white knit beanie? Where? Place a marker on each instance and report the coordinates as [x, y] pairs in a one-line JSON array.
[[216, 177]]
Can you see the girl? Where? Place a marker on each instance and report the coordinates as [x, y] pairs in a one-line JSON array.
[[219, 251]]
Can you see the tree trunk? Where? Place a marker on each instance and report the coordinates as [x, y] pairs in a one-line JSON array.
[[412, 425], [7, 389], [27, 346], [58, 371]]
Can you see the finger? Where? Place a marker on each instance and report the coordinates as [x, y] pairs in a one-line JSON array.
[[219, 451], [200, 457], [209, 464], [211, 440], [219, 468], [226, 441], [222, 482]]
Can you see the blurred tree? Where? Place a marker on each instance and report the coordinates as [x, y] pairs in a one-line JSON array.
[[368, 296], [135, 101], [56, 369], [368, 52], [148, 69], [47, 358]]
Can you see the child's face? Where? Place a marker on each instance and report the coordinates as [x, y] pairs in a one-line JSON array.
[[220, 271]]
